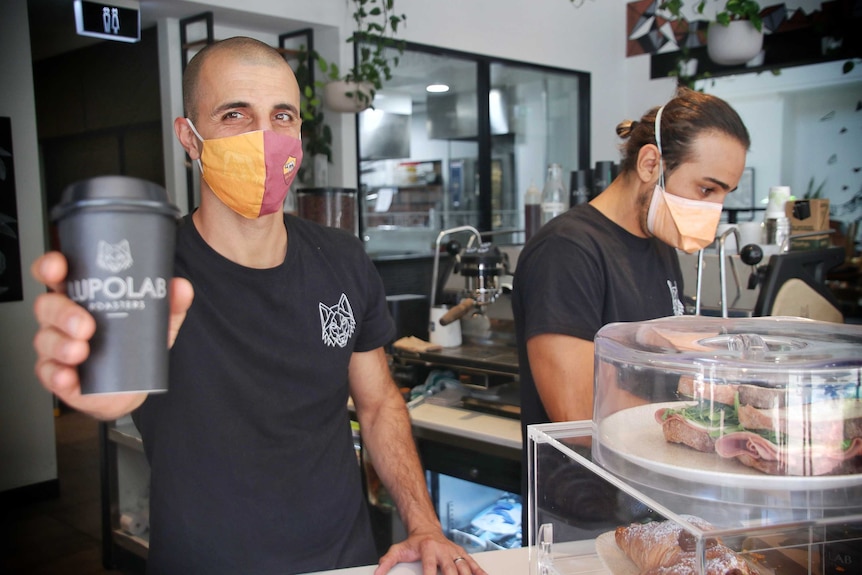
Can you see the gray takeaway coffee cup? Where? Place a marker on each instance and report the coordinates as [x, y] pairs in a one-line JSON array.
[[118, 235]]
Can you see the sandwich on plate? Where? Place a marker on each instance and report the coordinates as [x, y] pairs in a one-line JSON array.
[[809, 428]]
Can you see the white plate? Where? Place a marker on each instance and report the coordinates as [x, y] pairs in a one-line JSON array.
[[613, 558], [635, 435]]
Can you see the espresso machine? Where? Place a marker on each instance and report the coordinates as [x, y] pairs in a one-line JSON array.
[[480, 263]]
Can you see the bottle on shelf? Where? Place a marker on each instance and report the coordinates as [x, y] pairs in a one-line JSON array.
[[555, 198], [581, 187], [603, 175], [532, 211], [776, 223]]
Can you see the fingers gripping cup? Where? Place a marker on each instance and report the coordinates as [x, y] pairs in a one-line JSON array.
[[118, 235]]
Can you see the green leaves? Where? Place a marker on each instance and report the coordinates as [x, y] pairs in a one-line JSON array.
[[376, 26], [672, 6], [741, 10], [732, 10], [717, 418], [813, 193], [316, 135]]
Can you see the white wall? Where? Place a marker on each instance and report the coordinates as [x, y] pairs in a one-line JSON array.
[[824, 140], [27, 449], [795, 120]]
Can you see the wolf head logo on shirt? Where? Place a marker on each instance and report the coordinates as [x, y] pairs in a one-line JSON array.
[[678, 307], [337, 322]]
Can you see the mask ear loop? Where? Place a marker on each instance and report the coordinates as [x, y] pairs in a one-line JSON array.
[[658, 143], [192, 126]]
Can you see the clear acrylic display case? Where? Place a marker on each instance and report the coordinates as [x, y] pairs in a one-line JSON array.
[[587, 478]]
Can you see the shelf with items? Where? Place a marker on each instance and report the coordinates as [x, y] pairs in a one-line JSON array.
[[403, 206], [399, 193]]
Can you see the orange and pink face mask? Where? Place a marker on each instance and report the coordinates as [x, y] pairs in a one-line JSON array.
[[250, 173]]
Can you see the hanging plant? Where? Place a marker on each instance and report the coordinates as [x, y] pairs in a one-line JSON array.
[[376, 25], [316, 134], [733, 10], [735, 36]]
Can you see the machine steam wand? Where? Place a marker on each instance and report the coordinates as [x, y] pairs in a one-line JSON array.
[[722, 269]]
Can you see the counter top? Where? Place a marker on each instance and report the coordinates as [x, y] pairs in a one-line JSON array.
[[492, 429], [487, 357], [506, 562]]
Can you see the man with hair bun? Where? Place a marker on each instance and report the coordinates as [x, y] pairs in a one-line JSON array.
[[615, 258]]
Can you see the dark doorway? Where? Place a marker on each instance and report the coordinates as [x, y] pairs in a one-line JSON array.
[[98, 112]]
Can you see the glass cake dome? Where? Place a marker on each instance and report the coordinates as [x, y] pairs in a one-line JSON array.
[[764, 413]]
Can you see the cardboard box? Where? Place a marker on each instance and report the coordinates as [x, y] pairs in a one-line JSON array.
[[808, 216]]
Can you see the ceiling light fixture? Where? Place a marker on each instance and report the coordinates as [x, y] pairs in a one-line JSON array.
[[436, 88]]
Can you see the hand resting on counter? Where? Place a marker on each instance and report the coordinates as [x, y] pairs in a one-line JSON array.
[[434, 550]]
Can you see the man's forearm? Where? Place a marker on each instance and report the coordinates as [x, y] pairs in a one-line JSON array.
[[387, 435]]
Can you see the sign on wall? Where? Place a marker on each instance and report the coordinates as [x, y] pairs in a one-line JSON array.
[[118, 20]]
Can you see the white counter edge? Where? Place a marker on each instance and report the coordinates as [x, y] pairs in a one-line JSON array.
[[579, 557]]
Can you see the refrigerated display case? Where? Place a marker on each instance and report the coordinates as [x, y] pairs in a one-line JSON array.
[[475, 516], [471, 451]]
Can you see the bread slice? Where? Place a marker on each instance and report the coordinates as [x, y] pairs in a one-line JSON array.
[[698, 424], [822, 422], [712, 391], [761, 396]]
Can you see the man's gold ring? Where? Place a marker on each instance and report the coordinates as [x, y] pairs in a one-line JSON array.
[[458, 559]]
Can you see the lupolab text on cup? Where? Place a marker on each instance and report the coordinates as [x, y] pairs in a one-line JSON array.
[[114, 288]]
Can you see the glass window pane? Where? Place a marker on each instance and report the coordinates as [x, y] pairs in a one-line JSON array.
[[420, 169], [541, 107], [418, 154]]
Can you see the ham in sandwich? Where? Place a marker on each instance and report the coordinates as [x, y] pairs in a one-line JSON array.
[[810, 430]]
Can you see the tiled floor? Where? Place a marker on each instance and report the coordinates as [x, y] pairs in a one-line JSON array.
[[61, 536]]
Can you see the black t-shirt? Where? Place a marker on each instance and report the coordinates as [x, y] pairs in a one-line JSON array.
[[253, 468], [580, 272]]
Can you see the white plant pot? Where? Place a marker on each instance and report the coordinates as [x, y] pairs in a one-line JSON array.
[[687, 68], [336, 99], [321, 170], [734, 44]]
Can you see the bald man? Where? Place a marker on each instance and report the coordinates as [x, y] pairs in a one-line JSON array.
[[275, 322]]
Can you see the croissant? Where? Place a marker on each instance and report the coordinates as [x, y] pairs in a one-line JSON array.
[[665, 548]]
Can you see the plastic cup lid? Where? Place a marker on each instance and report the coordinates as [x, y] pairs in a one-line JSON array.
[[114, 193]]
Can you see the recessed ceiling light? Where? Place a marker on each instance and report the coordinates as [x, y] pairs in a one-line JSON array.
[[436, 88]]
